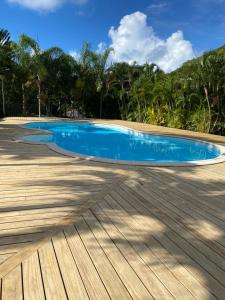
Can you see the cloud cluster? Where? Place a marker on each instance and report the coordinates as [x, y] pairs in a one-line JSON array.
[[135, 40], [74, 54], [44, 5]]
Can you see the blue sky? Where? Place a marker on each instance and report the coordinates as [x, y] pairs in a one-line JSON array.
[[68, 23]]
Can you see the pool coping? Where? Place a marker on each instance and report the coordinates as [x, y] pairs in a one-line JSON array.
[[56, 148]]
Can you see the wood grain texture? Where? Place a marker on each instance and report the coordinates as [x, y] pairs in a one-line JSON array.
[[75, 229]]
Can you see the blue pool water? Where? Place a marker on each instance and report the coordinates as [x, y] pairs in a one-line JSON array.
[[118, 143]]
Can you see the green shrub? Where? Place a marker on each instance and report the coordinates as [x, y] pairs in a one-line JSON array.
[[199, 120]]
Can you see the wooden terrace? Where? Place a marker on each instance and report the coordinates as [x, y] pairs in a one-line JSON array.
[[77, 229]]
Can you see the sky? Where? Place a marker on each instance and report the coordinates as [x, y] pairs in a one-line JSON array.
[[164, 32]]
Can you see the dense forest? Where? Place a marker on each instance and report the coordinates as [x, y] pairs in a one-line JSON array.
[[50, 82]]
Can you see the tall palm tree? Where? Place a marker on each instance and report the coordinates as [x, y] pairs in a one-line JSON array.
[[210, 71], [99, 61], [32, 47], [5, 61], [2, 78], [38, 57], [25, 68]]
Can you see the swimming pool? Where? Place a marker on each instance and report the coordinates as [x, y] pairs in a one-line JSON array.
[[114, 143]]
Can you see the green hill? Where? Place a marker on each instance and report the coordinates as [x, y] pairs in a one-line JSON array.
[[218, 52]]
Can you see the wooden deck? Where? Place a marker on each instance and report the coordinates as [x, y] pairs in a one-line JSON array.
[[75, 229]]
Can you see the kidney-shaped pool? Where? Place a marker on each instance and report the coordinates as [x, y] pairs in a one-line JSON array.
[[114, 143]]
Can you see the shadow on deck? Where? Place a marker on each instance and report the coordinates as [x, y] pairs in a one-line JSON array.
[[157, 231]]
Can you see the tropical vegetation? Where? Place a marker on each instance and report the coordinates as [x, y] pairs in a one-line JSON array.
[[50, 82]]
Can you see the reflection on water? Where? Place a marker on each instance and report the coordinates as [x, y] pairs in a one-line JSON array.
[[115, 142]]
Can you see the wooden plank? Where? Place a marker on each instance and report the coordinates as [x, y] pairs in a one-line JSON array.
[[93, 283], [204, 224], [174, 276], [185, 189], [8, 240], [27, 230], [130, 279], [12, 247], [48, 231], [29, 225], [76, 189], [109, 276], [12, 285], [201, 242], [4, 257], [89, 181], [33, 216], [53, 283], [29, 213], [44, 204], [32, 280], [176, 248], [146, 275], [69, 271], [69, 195]]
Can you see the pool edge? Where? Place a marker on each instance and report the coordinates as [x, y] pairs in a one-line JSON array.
[[62, 151]]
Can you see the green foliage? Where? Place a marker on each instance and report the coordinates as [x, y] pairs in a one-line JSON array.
[[177, 119], [6, 53], [157, 116], [199, 120], [51, 82]]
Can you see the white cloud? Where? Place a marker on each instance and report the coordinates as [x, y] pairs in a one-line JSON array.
[[75, 54], [44, 5], [157, 8], [135, 40]]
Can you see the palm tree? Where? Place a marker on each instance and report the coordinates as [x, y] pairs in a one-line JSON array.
[[25, 67], [119, 83], [209, 78], [204, 72], [99, 61], [31, 46], [83, 87], [5, 60], [38, 58], [2, 77], [142, 96]]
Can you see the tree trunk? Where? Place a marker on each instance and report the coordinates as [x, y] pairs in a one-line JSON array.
[[24, 100], [39, 97], [120, 104], [3, 97], [59, 107], [100, 110], [209, 108]]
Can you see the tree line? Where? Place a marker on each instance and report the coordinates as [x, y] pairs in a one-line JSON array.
[[50, 82]]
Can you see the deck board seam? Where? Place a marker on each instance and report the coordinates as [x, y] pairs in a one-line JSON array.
[[151, 253], [175, 258], [124, 255], [100, 223], [85, 247], [190, 256], [76, 264], [164, 202], [3, 271], [109, 261], [60, 271]]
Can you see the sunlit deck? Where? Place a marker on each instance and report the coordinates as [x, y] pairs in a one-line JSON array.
[[76, 229]]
